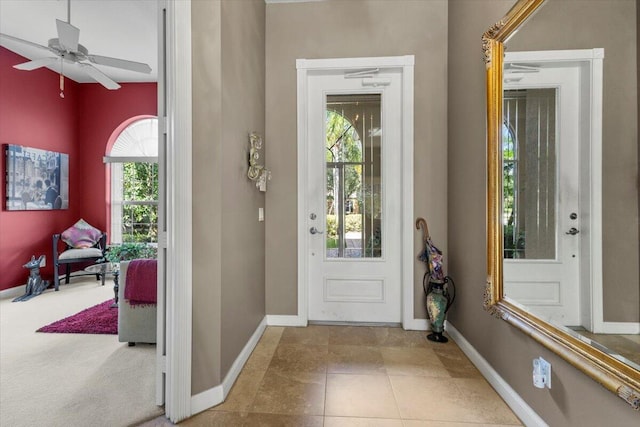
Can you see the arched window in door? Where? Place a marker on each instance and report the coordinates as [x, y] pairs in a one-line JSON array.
[[133, 160]]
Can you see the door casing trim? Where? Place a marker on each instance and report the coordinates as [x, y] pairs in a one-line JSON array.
[[406, 64]]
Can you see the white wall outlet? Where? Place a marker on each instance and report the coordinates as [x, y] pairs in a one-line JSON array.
[[260, 214], [43, 262], [541, 373]]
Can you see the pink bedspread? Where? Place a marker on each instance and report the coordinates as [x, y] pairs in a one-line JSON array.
[[141, 285]]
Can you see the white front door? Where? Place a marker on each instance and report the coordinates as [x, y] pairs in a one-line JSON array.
[[354, 197], [541, 189]]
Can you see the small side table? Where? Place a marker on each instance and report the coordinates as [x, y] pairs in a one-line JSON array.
[[102, 270]]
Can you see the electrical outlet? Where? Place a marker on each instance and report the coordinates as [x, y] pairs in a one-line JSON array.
[[541, 373], [43, 262]]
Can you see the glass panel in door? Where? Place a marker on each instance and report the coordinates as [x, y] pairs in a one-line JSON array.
[[353, 176], [529, 174]]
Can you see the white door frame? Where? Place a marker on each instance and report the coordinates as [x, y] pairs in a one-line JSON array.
[[591, 251], [405, 63], [178, 267]]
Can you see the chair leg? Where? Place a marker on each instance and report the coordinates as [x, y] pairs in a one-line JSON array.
[[56, 277], [66, 277]]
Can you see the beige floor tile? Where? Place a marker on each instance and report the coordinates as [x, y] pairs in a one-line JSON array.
[[312, 334], [425, 423], [360, 396], [260, 358], [277, 420], [482, 403], [293, 393], [352, 335], [427, 398], [398, 337], [450, 399], [215, 419], [243, 392], [300, 358], [271, 335], [456, 362], [360, 422], [412, 361], [355, 359]]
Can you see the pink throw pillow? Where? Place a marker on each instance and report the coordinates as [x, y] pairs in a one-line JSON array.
[[81, 235]]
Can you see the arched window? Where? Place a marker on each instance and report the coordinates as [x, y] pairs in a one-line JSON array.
[[133, 160]]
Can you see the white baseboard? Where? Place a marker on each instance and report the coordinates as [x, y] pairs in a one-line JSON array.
[[624, 328], [13, 292], [417, 325], [518, 405], [284, 320], [216, 395]]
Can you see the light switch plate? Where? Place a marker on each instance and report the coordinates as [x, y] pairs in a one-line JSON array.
[[260, 214]]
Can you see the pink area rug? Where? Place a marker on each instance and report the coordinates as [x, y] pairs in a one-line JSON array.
[[99, 319]]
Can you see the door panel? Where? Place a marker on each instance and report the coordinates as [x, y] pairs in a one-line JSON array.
[[541, 192], [353, 197]]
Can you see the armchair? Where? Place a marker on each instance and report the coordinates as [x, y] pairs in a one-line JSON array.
[[136, 323], [80, 253]]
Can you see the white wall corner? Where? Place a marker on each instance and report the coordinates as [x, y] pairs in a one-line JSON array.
[[216, 395], [517, 404]]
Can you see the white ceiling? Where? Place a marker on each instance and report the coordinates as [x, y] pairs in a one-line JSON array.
[[124, 29]]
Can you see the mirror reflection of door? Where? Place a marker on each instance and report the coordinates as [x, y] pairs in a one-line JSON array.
[[541, 191]]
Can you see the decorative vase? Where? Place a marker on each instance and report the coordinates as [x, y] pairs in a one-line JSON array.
[[440, 296]]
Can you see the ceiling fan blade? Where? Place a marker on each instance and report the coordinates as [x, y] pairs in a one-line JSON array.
[[120, 63], [17, 40], [36, 63], [68, 36], [100, 77]]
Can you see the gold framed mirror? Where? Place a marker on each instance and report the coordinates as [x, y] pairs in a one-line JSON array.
[[556, 331]]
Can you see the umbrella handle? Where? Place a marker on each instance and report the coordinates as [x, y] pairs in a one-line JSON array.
[[422, 223]]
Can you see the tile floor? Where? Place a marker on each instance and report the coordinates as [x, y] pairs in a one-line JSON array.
[[337, 376]]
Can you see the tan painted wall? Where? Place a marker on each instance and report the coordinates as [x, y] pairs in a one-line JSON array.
[[228, 241], [243, 244], [575, 399], [207, 215], [333, 29], [610, 24]]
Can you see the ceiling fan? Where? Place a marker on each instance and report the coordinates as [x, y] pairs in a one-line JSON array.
[[67, 48]]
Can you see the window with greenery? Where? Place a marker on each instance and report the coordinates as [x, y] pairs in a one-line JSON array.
[[134, 183], [140, 202], [353, 181]]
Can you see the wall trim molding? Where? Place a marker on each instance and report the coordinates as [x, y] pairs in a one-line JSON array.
[[216, 395], [286, 320], [13, 292], [416, 325], [625, 328], [517, 404]]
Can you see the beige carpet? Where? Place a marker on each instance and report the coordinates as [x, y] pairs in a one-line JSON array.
[[70, 379]]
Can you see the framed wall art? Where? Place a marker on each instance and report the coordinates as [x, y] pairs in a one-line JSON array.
[[36, 179]]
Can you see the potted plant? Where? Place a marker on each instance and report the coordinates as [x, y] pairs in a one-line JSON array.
[[128, 251]]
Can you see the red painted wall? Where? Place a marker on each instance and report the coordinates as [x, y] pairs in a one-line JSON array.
[[33, 114], [100, 112]]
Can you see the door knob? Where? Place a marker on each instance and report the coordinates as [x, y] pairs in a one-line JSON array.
[[314, 230], [573, 231]]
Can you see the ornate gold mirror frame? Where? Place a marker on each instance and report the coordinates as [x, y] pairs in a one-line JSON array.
[[603, 368]]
